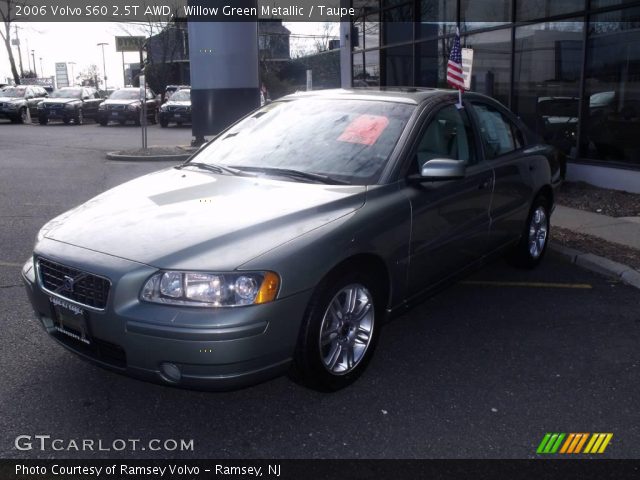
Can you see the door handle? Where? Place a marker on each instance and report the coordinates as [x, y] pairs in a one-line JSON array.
[[485, 183]]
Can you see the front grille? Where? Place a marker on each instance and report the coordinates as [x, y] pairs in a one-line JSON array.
[[116, 107], [178, 109], [81, 287], [56, 105]]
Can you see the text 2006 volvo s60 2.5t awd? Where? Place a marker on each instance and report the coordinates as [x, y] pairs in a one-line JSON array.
[[282, 244]]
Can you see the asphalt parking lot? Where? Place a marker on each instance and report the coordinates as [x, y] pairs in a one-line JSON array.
[[481, 370]]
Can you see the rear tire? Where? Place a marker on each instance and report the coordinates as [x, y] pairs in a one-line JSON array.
[[164, 123], [66, 121], [79, 118], [530, 250], [103, 123], [339, 332], [43, 120]]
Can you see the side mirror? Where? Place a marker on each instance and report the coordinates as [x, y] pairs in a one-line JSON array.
[[440, 169]]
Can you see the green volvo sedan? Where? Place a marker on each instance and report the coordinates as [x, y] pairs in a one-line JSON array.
[[284, 243]]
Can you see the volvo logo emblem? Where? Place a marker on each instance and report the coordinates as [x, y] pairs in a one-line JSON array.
[[68, 283]]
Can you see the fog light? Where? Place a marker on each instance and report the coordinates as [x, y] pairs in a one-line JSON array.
[[170, 372]]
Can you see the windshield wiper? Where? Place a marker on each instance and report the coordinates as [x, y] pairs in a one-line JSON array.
[[296, 174], [212, 167]]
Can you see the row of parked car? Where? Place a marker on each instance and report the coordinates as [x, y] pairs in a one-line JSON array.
[[73, 105]]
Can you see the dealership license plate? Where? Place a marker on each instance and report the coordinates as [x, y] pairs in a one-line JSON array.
[[114, 114], [177, 115], [70, 320]]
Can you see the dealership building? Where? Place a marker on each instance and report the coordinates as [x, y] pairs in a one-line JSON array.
[[569, 68]]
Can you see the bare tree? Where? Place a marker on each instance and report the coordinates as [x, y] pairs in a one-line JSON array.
[[166, 42], [7, 8], [327, 33], [90, 77]]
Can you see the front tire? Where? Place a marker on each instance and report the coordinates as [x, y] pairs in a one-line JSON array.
[[339, 333], [79, 118], [24, 116], [43, 120], [534, 240]]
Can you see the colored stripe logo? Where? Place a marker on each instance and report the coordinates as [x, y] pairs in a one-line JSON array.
[[573, 443]]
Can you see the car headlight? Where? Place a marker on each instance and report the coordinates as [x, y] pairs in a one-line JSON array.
[[102, 107], [211, 289], [134, 107], [163, 108], [70, 106], [40, 106]]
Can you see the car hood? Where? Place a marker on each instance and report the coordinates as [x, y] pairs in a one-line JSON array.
[[60, 100], [182, 103], [120, 102], [195, 220], [11, 99]]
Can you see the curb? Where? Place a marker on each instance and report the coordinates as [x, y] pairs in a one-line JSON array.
[[148, 158], [601, 265]]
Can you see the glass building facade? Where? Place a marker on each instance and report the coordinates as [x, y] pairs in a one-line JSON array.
[[569, 68]]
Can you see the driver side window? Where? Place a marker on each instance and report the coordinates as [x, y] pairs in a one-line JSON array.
[[448, 135]]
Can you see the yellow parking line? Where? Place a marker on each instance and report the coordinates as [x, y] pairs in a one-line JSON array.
[[9, 264], [483, 283]]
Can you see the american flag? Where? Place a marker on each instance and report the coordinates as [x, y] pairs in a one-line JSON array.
[[455, 76]]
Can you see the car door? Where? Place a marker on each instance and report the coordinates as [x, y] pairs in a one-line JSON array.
[[450, 218], [34, 97], [503, 146], [88, 102], [151, 104]]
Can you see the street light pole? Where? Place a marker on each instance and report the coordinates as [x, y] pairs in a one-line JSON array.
[[41, 69], [104, 68], [73, 79], [33, 56]]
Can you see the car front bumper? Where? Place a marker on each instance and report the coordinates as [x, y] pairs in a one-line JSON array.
[[175, 117], [211, 349], [118, 115]]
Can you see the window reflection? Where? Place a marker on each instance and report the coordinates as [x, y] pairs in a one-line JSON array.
[[431, 63], [491, 71], [611, 111], [476, 14], [398, 65], [547, 65], [536, 9]]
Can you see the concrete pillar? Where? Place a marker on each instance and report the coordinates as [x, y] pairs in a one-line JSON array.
[[224, 73]]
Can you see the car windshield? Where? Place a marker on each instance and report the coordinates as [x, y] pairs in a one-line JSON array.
[[13, 92], [181, 96], [67, 93], [349, 140], [125, 95]]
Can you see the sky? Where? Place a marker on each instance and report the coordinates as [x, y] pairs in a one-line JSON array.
[[77, 42]]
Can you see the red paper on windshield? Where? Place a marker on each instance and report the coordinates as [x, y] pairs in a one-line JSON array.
[[365, 129]]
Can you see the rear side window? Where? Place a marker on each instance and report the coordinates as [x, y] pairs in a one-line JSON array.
[[499, 135]]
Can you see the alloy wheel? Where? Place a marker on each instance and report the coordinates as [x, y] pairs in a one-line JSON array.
[[538, 232], [347, 329]]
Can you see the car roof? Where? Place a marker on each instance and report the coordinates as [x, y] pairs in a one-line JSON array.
[[408, 95]]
